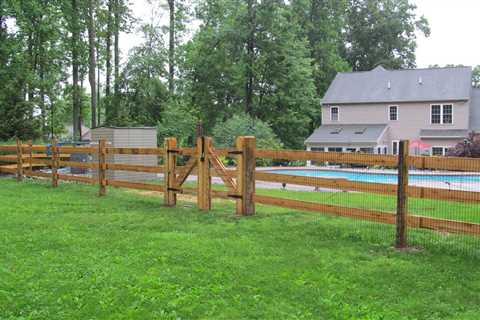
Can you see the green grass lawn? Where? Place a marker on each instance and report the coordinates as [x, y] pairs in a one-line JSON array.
[[66, 254]]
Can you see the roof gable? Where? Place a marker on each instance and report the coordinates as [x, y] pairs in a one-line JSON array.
[[410, 85]]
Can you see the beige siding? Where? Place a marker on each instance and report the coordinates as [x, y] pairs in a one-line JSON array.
[[129, 137]]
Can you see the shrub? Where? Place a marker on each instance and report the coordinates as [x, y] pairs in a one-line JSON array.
[[177, 122], [470, 147], [225, 133]]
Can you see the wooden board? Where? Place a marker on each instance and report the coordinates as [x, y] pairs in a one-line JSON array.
[[336, 157], [39, 174], [77, 150], [221, 170], [184, 172], [67, 177], [442, 225], [37, 148], [157, 151], [134, 168], [445, 163], [8, 170], [75, 164], [8, 148], [363, 214], [25, 165], [380, 188], [135, 185]]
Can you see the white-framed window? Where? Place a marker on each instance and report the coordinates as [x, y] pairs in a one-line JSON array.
[[441, 113], [334, 113], [395, 145], [335, 149], [351, 149], [393, 113], [318, 149], [381, 149], [439, 151]]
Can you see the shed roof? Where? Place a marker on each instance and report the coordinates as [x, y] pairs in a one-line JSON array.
[[409, 85], [347, 133]]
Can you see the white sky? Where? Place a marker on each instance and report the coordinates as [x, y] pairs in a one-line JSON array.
[[454, 31], [454, 28]]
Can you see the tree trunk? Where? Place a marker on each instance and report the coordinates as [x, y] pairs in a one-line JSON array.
[[99, 111], [75, 73], [116, 87], [250, 56], [171, 48], [92, 61], [117, 47], [108, 76], [43, 111]]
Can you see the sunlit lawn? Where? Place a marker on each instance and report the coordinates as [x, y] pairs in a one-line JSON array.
[[67, 254]]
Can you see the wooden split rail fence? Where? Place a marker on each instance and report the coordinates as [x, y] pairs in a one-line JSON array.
[[204, 161]]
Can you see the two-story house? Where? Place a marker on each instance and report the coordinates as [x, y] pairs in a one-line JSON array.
[[371, 111]]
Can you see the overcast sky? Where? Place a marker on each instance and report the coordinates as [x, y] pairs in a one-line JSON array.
[[454, 31]]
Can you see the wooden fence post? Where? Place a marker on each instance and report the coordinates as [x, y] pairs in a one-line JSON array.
[[402, 198], [102, 167], [246, 175], [169, 171], [19, 160], [54, 160], [204, 179], [30, 157]]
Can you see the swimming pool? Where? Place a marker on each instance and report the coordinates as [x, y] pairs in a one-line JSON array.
[[382, 177]]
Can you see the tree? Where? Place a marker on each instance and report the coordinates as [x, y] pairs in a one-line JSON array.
[[177, 121], [321, 23], [222, 77], [382, 32], [476, 77]]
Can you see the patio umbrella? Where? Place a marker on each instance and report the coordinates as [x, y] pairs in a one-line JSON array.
[[418, 145]]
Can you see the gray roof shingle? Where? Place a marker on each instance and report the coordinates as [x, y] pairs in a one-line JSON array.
[[347, 133], [437, 84]]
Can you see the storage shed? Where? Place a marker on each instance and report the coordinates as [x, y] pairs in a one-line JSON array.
[[129, 137]]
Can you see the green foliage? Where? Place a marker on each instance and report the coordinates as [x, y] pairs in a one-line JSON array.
[[382, 32], [225, 133], [177, 121], [217, 68], [476, 77], [67, 254], [273, 60]]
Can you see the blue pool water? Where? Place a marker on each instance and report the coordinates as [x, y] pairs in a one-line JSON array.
[[380, 177]]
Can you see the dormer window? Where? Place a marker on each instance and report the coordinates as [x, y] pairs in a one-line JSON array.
[[334, 114], [393, 113], [442, 114], [360, 131], [336, 131]]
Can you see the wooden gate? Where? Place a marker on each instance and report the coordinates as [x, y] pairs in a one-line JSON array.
[[240, 182]]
